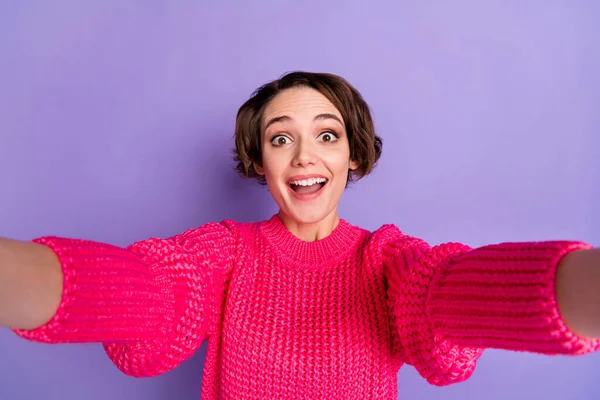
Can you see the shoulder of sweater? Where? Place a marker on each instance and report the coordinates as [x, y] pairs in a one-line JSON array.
[[385, 233], [230, 227], [222, 229], [390, 235]]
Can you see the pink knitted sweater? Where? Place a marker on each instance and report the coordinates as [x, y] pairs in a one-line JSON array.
[[330, 319]]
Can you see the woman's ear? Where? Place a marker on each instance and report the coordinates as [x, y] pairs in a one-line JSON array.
[[354, 165], [258, 168]]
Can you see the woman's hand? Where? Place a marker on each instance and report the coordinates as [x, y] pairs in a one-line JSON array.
[[578, 291], [30, 284]]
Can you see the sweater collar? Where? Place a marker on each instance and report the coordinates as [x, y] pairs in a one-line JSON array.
[[342, 240]]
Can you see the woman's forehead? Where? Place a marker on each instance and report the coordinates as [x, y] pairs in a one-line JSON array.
[[297, 103]]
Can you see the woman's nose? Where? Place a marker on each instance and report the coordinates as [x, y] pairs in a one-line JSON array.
[[304, 155]]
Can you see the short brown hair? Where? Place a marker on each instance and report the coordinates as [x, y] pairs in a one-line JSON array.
[[365, 146]]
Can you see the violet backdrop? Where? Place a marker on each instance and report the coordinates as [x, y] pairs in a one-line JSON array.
[[116, 123]]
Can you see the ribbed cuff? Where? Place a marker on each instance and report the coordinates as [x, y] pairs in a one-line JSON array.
[[109, 294], [504, 296]]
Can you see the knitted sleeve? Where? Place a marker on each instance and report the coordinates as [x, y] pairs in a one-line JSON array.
[[449, 302], [151, 304]]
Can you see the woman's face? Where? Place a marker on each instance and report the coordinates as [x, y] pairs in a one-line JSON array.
[[305, 154]]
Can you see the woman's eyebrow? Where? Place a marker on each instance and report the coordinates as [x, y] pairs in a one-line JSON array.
[[277, 119], [323, 116]]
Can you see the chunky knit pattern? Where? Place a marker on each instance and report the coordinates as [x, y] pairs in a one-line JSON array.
[[335, 318]]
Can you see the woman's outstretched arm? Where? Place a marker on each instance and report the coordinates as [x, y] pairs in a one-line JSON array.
[[450, 302], [151, 304]]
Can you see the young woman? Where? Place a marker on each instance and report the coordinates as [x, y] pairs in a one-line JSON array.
[[303, 305]]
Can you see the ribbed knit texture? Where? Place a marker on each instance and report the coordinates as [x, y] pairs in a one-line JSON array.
[[335, 318]]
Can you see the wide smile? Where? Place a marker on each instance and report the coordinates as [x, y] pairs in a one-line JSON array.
[[308, 188]]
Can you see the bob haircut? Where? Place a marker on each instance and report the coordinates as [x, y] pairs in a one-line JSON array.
[[365, 146]]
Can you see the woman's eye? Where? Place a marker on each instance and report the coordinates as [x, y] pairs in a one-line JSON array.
[[280, 140], [328, 137]]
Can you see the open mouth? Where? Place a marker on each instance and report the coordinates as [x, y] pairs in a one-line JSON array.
[[308, 186]]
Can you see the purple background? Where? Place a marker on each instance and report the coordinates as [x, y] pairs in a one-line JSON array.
[[116, 121]]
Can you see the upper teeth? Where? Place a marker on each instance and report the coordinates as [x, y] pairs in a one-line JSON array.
[[309, 182]]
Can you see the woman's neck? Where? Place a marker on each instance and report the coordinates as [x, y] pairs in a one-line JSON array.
[[313, 231]]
